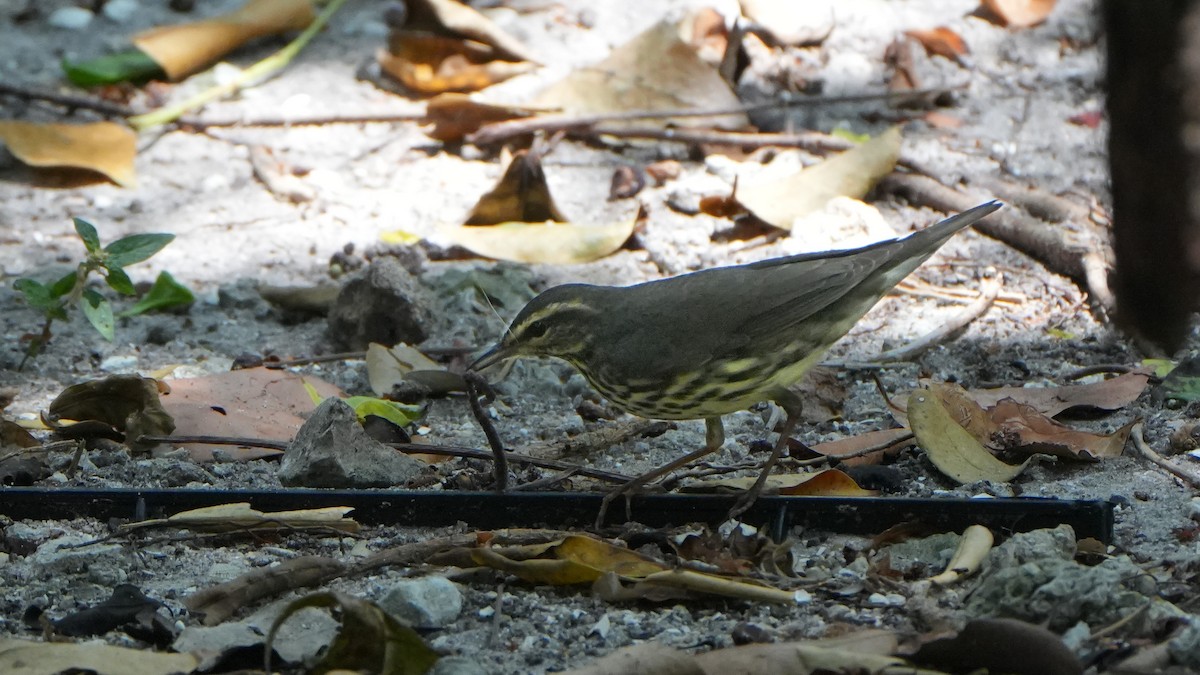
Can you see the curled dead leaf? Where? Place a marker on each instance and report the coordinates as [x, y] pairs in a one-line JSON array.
[[103, 147], [188, 48], [1019, 13], [781, 201], [951, 448]]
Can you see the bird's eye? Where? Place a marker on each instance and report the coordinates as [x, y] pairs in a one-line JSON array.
[[535, 330]]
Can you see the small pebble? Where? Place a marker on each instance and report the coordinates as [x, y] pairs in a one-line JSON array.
[[70, 18], [120, 11]]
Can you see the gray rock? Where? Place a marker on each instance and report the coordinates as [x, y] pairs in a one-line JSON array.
[[425, 602], [70, 18], [331, 450], [384, 304], [55, 556], [120, 11], [1185, 647], [1033, 576]]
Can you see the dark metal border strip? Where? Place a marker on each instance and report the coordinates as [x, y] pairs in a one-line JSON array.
[[487, 510]]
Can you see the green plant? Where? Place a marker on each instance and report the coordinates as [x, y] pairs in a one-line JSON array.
[[109, 261]]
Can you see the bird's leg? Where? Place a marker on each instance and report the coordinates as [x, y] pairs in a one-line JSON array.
[[714, 438], [791, 404]]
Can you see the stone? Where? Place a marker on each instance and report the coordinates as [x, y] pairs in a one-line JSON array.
[[70, 18], [332, 450], [424, 602], [384, 303]]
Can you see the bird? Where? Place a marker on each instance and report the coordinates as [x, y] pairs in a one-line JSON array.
[[708, 343]]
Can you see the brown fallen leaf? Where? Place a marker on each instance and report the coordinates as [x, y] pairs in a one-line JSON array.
[[886, 441], [655, 71], [1111, 394], [239, 517], [459, 20], [454, 115], [941, 41], [446, 46], [188, 48], [103, 147], [1019, 13], [1022, 428], [951, 448], [521, 195], [433, 64], [248, 403], [129, 404]]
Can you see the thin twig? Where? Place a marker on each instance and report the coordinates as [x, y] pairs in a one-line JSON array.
[[71, 101], [476, 386], [499, 131], [406, 448], [861, 452], [1144, 449], [988, 291], [201, 123]]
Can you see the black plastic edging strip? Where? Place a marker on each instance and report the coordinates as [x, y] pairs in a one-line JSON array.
[[488, 510]]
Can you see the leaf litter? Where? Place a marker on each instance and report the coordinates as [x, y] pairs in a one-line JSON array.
[[839, 571]]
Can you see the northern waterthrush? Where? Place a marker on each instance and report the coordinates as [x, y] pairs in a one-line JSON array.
[[708, 343]]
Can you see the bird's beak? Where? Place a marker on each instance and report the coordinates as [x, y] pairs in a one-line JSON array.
[[489, 358]]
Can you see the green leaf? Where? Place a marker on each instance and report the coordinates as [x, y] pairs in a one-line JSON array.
[[135, 248], [64, 285], [166, 292], [119, 281], [397, 413], [87, 232], [36, 293], [97, 310], [131, 66]]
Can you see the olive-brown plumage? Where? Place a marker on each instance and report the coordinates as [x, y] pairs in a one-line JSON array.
[[705, 344]]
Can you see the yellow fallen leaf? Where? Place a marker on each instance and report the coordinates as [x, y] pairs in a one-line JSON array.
[[780, 201], [952, 449], [103, 147], [825, 483], [549, 242], [185, 49]]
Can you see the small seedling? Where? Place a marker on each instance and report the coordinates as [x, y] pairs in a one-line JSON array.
[[109, 261]]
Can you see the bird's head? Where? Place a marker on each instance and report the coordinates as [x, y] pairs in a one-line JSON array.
[[558, 322]]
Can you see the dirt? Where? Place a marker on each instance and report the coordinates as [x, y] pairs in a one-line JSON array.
[[1013, 97]]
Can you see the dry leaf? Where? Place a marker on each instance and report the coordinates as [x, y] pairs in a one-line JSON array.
[[447, 46], [941, 41], [551, 243], [888, 442], [825, 483], [458, 20], [433, 64], [248, 403], [1019, 13], [952, 449], [1111, 394], [781, 201], [654, 71], [972, 550], [35, 658], [103, 147], [791, 23], [188, 48], [521, 196], [454, 115], [1024, 429]]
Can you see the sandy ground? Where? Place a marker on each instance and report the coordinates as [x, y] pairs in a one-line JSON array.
[[1018, 90]]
